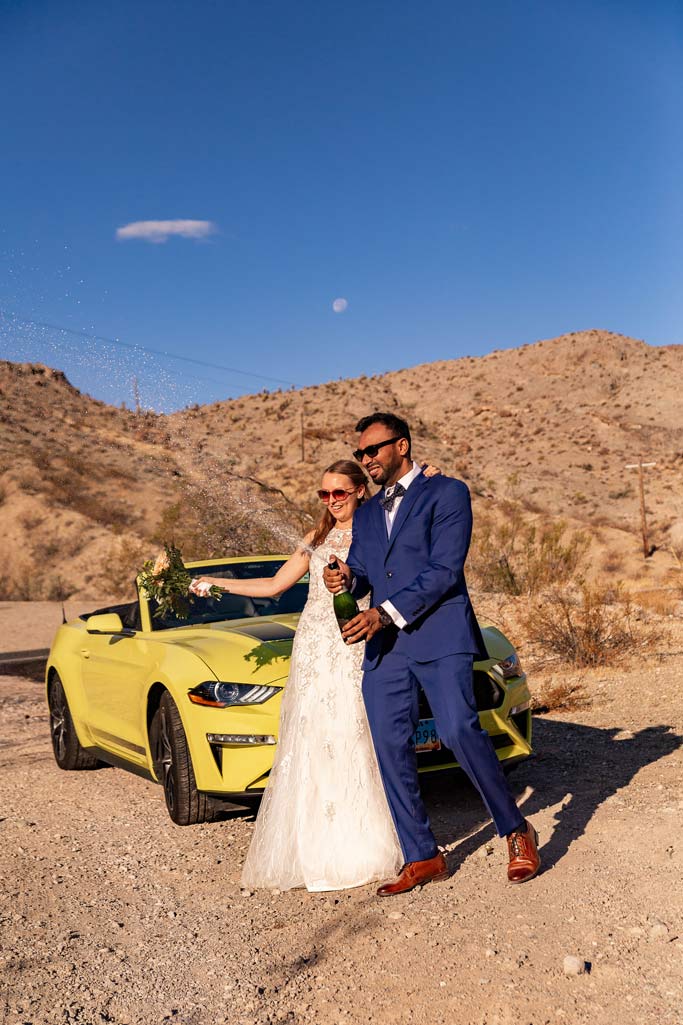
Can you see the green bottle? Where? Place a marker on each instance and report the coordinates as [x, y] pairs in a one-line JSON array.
[[345, 605]]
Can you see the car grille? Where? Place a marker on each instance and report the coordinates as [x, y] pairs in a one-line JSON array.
[[521, 721]]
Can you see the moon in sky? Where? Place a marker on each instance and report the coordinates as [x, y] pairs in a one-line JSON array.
[[339, 305]]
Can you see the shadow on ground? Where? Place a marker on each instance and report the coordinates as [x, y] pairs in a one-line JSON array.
[[576, 766], [575, 770]]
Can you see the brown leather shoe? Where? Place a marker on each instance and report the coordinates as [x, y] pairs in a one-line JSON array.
[[525, 860], [416, 873]]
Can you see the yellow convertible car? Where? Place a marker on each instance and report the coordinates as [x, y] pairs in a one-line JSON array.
[[194, 704]]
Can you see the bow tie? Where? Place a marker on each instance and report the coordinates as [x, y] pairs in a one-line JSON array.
[[390, 495]]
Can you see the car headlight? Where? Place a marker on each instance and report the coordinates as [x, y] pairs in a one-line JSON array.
[[508, 667], [222, 695]]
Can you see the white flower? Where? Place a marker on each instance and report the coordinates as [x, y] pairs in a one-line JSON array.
[[161, 564]]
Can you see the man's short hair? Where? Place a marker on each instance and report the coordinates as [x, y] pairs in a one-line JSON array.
[[394, 423]]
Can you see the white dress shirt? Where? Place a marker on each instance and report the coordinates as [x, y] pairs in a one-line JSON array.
[[389, 517]]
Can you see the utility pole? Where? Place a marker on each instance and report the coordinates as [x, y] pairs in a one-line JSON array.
[[643, 522]]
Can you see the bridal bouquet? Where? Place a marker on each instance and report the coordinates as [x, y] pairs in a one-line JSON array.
[[166, 580]]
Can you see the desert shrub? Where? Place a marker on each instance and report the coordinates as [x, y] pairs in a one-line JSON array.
[[24, 578], [68, 484], [204, 530], [45, 548], [20, 579], [56, 588], [560, 696], [612, 561], [516, 557], [320, 434], [120, 567], [587, 626], [663, 600], [30, 520]]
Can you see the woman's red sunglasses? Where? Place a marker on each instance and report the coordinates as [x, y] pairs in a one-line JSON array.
[[337, 495]]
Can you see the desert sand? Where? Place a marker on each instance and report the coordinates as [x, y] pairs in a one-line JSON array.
[[112, 914]]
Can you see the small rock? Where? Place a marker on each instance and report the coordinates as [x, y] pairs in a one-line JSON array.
[[659, 931], [246, 893], [395, 915], [573, 965], [489, 952]]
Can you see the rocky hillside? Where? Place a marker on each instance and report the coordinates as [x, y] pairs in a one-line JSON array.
[[548, 429]]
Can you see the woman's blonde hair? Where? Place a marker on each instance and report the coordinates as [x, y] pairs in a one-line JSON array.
[[358, 478]]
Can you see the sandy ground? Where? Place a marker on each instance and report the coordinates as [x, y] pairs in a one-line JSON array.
[[110, 913], [31, 625]]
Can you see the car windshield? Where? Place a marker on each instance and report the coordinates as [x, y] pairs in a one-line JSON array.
[[234, 606]]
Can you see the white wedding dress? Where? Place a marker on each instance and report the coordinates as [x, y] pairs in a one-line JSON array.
[[324, 821]]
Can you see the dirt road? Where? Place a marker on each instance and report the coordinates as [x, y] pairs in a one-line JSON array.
[[110, 913]]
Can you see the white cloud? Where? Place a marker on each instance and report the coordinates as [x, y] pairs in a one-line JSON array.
[[340, 304], [161, 231]]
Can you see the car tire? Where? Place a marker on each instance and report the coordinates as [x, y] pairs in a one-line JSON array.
[[173, 766], [68, 751]]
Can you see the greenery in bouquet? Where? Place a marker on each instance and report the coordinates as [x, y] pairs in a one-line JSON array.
[[167, 582]]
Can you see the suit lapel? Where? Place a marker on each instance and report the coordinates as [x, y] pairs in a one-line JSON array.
[[378, 520], [407, 502]]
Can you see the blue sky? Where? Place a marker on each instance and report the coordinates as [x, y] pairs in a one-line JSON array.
[[467, 176]]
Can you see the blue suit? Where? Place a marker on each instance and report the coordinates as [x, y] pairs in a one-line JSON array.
[[419, 568]]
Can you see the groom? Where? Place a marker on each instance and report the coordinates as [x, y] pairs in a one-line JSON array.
[[409, 547]]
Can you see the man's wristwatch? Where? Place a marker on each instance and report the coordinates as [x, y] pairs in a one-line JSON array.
[[384, 617]]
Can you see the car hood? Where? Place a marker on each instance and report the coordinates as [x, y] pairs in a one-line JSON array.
[[258, 650], [497, 644], [243, 651]]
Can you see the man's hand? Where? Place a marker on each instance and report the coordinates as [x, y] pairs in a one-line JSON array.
[[362, 627], [335, 579]]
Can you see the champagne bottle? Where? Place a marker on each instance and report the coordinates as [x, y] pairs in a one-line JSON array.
[[345, 605]]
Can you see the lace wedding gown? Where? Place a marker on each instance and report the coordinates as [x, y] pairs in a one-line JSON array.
[[324, 821]]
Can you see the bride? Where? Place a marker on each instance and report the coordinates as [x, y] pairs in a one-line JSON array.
[[324, 821]]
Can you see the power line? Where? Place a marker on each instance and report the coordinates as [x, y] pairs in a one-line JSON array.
[[142, 348]]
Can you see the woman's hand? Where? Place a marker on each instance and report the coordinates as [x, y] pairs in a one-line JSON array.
[[200, 586], [430, 471]]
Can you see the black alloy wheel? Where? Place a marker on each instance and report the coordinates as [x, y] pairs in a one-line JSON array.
[[68, 752], [173, 767]]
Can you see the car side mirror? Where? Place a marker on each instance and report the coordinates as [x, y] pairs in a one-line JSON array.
[[107, 623]]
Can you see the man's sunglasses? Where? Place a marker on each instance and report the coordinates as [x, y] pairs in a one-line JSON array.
[[372, 450], [337, 495]]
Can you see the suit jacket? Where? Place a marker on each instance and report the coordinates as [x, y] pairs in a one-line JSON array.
[[419, 569]]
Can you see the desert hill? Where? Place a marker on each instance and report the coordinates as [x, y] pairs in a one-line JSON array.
[[86, 489]]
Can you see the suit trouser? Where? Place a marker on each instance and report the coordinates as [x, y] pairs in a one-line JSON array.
[[391, 693]]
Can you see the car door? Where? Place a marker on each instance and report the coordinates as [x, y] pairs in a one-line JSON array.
[[115, 670]]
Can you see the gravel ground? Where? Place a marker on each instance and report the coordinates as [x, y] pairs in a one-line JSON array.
[[110, 913]]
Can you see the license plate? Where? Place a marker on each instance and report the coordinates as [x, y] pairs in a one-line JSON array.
[[425, 737]]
